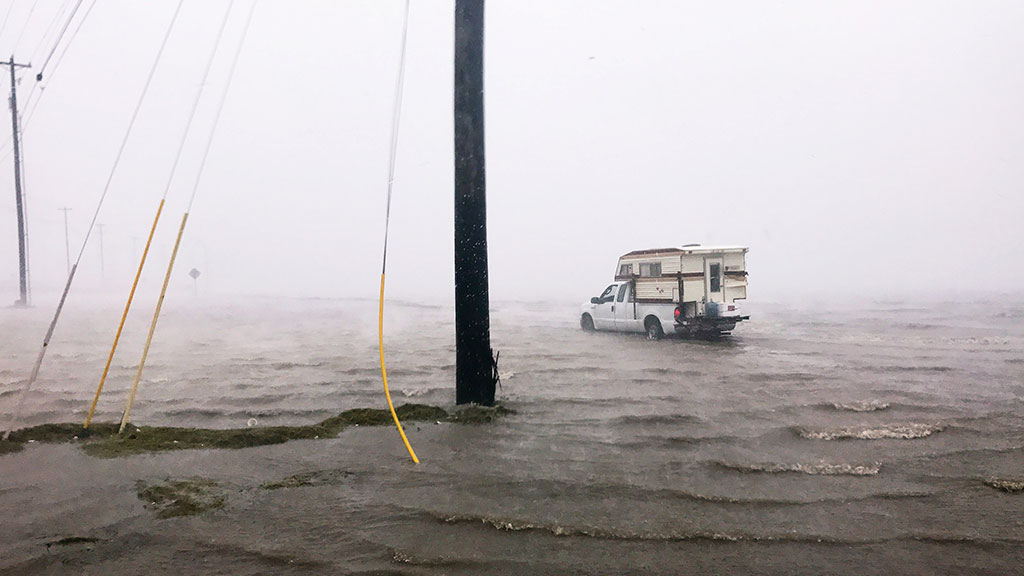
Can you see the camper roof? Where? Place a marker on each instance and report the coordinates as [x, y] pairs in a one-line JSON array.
[[688, 249]]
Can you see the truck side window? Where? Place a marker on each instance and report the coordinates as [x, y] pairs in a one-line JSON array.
[[716, 277], [622, 292], [626, 270], [609, 294]]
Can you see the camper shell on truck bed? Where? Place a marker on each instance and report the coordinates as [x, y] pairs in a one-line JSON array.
[[690, 290], [690, 276]]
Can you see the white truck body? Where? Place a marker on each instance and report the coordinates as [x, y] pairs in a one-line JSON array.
[[691, 290]]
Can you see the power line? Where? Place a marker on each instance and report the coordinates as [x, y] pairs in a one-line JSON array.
[[25, 26], [39, 75], [50, 27], [195, 101], [67, 241], [131, 124], [220, 105], [34, 104], [7, 17], [30, 113]]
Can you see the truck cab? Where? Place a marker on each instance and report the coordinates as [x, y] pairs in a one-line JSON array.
[[617, 310]]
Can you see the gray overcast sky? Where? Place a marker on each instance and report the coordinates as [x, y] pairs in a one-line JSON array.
[[861, 147]]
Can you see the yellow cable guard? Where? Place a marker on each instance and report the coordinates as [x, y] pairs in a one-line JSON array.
[[126, 417], [384, 373], [127, 306]]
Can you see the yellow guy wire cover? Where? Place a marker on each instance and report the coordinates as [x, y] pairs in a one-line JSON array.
[[152, 328], [127, 306], [384, 373]]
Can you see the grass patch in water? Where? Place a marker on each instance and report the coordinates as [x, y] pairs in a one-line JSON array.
[[182, 497], [63, 432], [73, 540], [102, 440], [315, 478], [476, 414], [9, 447]]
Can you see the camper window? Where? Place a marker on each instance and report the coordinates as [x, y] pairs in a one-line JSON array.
[[649, 269], [626, 270], [716, 277]]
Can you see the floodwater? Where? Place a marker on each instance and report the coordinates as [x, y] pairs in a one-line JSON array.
[[815, 441]]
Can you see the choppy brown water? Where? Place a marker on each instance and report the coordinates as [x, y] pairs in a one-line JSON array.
[[815, 441]]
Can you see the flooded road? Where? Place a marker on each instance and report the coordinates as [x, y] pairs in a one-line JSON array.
[[881, 438]]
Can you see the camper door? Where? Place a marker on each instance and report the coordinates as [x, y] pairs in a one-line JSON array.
[[714, 276]]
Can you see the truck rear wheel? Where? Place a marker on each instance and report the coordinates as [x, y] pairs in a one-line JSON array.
[[653, 327], [587, 323]]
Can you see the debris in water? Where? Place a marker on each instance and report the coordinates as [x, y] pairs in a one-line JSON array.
[[1009, 486]]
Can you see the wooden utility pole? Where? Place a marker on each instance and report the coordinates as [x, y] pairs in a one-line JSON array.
[[475, 365], [19, 200]]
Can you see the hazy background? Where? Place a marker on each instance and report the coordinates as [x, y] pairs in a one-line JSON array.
[[862, 148]]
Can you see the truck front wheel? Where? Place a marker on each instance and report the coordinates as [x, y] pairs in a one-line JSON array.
[[653, 327], [587, 323]]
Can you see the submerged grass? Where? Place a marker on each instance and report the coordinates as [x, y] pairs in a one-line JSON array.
[[70, 540], [314, 478], [475, 414], [182, 497], [102, 440]]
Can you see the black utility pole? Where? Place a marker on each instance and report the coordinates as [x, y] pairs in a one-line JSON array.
[[19, 203], [475, 366]]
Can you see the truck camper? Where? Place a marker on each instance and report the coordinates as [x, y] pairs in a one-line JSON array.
[[692, 290]]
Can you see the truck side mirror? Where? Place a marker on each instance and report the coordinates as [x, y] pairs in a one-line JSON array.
[[595, 300]]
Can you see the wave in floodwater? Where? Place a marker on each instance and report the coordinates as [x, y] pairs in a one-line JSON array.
[[887, 432], [656, 419], [902, 368], [866, 406], [292, 365], [590, 532], [813, 468], [565, 531]]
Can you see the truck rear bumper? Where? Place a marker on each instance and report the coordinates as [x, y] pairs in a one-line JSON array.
[[705, 325]]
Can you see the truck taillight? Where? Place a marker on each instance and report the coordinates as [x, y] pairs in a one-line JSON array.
[[678, 312], [732, 308]]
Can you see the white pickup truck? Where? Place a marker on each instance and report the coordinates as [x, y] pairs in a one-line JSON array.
[[690, 291]]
